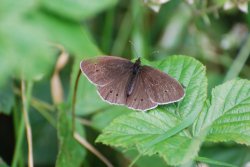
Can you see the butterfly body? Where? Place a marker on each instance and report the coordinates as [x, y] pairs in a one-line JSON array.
[[120, 81], [131, 82]]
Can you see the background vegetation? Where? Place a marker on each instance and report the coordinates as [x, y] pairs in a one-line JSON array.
[[43, 42]]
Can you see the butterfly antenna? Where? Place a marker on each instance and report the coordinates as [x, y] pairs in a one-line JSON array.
[[133, 46]]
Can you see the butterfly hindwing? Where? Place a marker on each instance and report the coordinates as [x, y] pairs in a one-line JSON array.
[[139, 98], [160, 87]]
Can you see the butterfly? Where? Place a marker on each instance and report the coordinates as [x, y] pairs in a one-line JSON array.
[[122, 82]]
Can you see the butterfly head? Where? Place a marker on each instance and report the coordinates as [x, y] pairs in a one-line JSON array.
[[138, 62], [136, 66]]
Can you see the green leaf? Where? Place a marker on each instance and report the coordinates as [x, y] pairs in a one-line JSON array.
[[77, 41], [140, 129], [10, 8], [137, 129], [103, 118], [24, 50], [73, 36], [71, 153], [199, 122], [6, 98], [77, 10], [228, 116]]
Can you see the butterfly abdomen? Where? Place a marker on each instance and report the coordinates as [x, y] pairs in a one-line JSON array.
[[131, 85]]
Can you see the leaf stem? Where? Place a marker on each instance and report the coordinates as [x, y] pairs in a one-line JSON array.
[[25, 100]]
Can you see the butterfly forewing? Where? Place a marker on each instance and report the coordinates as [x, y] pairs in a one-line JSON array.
[[147, 86], [139, 98], [105, 69], [161, 88]]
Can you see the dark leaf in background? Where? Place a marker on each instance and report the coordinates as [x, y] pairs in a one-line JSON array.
[[2, 163], [77, 10], [238, 155], [6, 98]]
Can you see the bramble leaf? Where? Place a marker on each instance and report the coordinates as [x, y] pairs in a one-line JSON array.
[[191, 74], [139, 129], [228, 117]]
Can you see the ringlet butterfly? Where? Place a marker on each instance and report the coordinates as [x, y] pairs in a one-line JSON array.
[[122, 82]]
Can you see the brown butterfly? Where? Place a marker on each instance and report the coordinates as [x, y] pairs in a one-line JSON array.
[[120, 81]]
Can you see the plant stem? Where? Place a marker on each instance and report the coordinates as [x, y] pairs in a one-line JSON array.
[[85, 122], [239, 62], [74, 101], [19, 125], [88, 146], [47, 115], [42, 107], [37, 102], [25, 100]]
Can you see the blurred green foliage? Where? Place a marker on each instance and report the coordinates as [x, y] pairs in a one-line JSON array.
[[32, 35]]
